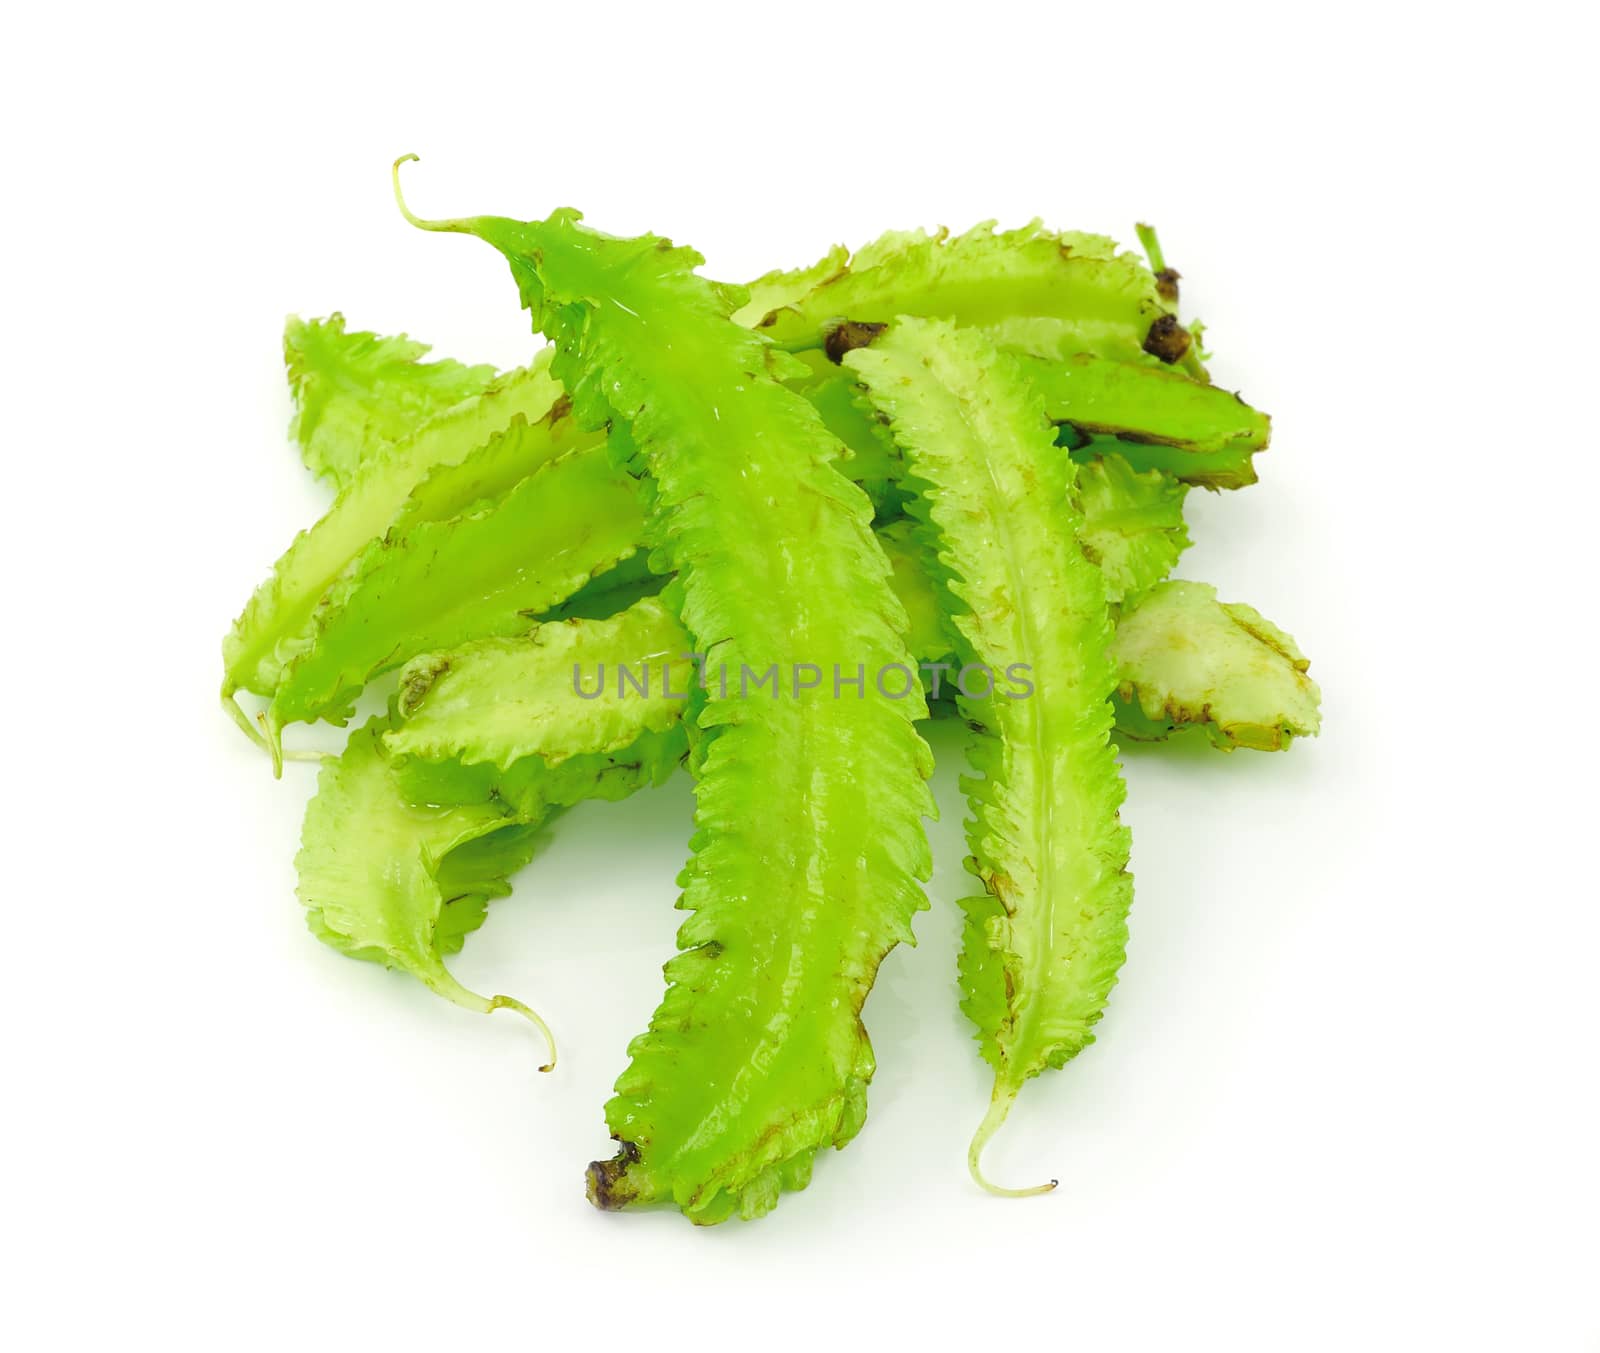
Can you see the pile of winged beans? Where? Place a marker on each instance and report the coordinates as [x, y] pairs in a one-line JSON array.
[[762, 533]]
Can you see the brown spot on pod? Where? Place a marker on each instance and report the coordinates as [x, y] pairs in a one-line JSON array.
[[848, 336]]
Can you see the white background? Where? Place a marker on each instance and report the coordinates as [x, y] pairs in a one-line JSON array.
[[1345, 1093]]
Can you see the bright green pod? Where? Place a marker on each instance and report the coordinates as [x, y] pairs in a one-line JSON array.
[[374, 868], [874, 460], [564, 689], [400, 858], [273, 628], [436, 584], [808, 842], [492, 470], [926, 634], [574, 710], [530, 785], [1133, 525], [1028, 613], [467, 720], [1156, 418], [356, 394], [785, 286], [1033, 291], [403, 851]]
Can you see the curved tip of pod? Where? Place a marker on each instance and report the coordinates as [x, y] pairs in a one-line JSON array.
[[532, 1016], [999, 1107], [439, 979], [400, 200], [399, 196]]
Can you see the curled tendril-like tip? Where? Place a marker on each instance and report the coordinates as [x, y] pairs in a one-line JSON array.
[[399, 196], [511, 1003], [400, 200], [442, 982], [999, 1107]]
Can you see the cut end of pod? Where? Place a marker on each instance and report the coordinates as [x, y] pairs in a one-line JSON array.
[[1168, 341], [606, 1181]]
